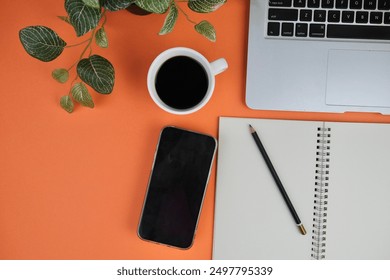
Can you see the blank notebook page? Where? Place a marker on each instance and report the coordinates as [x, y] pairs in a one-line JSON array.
[[252, 220], [359, 192]]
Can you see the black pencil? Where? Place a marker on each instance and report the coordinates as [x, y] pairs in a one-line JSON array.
[[277, 180]]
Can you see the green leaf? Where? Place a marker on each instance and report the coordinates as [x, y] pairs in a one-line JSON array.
[[64, 18], [170, 20], [41, 42], [82, 17], [60, 75], [81, 95], [97, 72], [116, 5], [67, 103], [101, 38], [206, 29], [205, 6], [158, 7], [92, 3]]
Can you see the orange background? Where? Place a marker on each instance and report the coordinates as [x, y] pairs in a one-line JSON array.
[[72, 185]]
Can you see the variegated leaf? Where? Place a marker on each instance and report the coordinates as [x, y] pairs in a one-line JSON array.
[[81, 95], [82, 17], [92, 3], [101, 38], [97, 72], [206, 29], [41, 42], [116, 5], [61, 75], [67, 103], [158, 7], [64, 18], [205, 6], [170, 20]]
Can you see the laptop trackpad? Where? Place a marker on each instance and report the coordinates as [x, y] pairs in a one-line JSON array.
[[358, 78]]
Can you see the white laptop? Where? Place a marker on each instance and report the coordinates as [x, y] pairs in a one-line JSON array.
[[319, 55]]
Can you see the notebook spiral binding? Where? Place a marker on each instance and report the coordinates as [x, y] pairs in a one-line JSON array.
[[321, 193]]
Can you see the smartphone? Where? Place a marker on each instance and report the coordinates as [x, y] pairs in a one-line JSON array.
[[176, 188]]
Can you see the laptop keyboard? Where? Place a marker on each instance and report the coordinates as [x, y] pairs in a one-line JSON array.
[[329, 19]]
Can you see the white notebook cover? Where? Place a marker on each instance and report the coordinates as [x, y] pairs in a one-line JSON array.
[[252, 220]]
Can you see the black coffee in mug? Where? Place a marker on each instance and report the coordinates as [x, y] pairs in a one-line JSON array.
[[181, 82]]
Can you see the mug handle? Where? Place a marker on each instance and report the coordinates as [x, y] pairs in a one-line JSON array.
[[218, 66]]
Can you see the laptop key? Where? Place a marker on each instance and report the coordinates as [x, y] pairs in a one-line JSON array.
[[341, 31], [341, 4], [362, 17], [320, 15], [301, 30], [313, 3], [356, 4], [327, 4], [370, 4], [317, 30], [300, 3], [305, 15], [334, 16], [280, 3], [273, 29], [384, 5], [386, 19], [376, 17], [348, 16], [283, 14], [287, 29]]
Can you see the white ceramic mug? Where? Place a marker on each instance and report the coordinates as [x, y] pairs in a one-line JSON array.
[[211, 70]]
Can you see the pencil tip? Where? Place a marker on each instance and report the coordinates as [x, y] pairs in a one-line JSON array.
[[251, 129], [302, 229]]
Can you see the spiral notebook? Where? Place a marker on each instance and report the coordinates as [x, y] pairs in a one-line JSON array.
[[337, 176]]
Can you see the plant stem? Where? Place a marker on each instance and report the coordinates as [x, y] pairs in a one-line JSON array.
[[105, 18], [184, 13], [78, 44], [89, 43], [72, 66]]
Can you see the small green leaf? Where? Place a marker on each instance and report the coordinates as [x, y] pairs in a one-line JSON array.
[[67, 103], [158, 7], [92, 3], [101, 38], [64, 18], [60, 75], [170, 20], [97, 72], [81, 95], [82, 17], [116, 5], [205, 6], [41, 42], [206, 29]]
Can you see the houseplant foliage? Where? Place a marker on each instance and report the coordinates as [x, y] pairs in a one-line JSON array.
[[89, 17]]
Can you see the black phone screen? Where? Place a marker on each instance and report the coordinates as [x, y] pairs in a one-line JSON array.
[[176, 187]]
